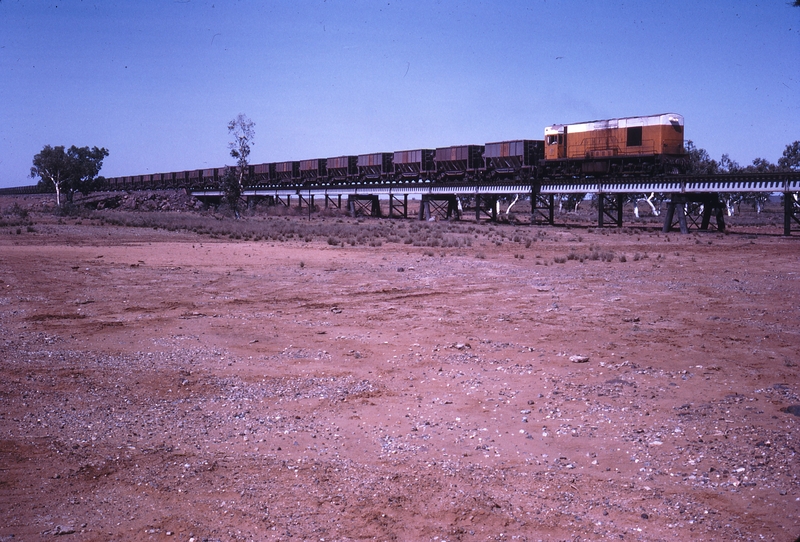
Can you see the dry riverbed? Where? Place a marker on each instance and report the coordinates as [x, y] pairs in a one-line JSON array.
[[171, 385]]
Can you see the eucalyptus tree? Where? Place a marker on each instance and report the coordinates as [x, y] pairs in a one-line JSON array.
[[242, 130], [68, 171], [790, 160]]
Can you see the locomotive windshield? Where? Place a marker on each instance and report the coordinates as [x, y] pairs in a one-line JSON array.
[[554, 139]]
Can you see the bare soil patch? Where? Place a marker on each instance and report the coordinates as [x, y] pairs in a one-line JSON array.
[[189, 385]]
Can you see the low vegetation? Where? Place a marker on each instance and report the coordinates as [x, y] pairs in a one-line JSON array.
[[159, 211]]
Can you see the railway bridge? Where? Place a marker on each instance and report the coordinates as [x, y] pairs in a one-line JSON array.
[[691, 199]]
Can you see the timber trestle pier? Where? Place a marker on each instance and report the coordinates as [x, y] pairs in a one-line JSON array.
[[691, 200]]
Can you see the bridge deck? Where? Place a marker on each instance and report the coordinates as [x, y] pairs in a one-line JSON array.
[[742, 182]]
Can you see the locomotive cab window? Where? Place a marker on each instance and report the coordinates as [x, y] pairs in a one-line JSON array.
[[554, 139], [635, 136]]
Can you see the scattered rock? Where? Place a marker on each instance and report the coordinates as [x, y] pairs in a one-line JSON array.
[[792, 409], [61, 529], [327, 441]]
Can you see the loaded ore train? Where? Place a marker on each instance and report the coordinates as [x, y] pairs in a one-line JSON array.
[[632, 146]]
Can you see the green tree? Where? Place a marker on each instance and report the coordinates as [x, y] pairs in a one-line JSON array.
[[86, 165], [700, 162], [232, 187], [790, 161], [68, 171], [242, 129], [727, 165], [51, 165], [761, 165]]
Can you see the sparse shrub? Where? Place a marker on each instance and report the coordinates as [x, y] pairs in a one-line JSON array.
[[19, 211]]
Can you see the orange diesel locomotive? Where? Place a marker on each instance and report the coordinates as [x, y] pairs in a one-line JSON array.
[[632, 145]]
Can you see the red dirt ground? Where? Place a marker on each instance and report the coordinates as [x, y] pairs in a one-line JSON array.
[[169, 386]]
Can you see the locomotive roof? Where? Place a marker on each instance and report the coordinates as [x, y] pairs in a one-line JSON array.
[[662, 119]]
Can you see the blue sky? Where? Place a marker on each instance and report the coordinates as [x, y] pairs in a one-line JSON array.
[[156, 82]]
